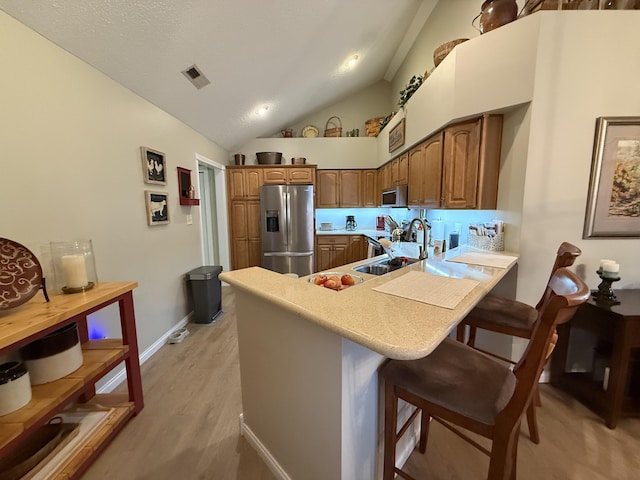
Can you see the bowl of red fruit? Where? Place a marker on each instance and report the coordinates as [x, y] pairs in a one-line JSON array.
[[335, 280]]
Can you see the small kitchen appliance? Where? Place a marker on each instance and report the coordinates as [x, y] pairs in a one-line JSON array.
[[380, 222], [351, 224]]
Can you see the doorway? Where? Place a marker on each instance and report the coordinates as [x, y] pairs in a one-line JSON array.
[[213, 212]]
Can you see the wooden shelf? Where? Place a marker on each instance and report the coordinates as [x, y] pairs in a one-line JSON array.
[[37, 318], [189, 201], [50, 398]]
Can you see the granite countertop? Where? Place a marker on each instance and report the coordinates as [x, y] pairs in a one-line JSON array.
[[392, 326]]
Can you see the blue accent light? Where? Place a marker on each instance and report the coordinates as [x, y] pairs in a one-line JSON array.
[[96, 331]]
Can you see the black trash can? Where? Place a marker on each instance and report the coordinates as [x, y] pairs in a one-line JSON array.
[[206, 293]]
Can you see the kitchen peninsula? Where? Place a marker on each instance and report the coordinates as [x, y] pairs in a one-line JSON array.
[[309, 358]]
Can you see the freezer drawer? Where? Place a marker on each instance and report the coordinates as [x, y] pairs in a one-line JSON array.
[[300, 263]]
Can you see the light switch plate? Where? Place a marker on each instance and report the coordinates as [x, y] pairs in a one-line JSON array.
[[189, 219]]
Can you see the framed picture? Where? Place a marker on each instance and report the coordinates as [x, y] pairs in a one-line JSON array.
[[157, 204], [154, 166], [613, 204], [396, 136]]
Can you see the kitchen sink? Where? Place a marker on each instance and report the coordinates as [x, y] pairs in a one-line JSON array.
[[380, 267]]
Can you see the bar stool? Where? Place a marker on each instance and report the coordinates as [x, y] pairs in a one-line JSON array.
[[510, 317], [458, 385]]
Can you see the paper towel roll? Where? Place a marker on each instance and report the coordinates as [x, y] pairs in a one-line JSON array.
[[437, 230]]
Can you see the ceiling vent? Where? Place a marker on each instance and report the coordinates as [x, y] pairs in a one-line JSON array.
[[195, 76]]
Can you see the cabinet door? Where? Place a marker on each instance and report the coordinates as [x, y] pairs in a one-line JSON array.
[[350, 188], [385, 177], [253, 182], [416, 175], [253, 220], [394, 170], [403, 169], [340, 255], [460, 164], [238, 221], [357, 249], [254, 248], [236, 189], [432, 171], [275, 176], [370, 196], [328, 194], [489, 168], [300, 175], [324, 255], [240, 254]]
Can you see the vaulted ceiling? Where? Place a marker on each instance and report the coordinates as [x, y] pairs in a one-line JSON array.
[[289, 55]]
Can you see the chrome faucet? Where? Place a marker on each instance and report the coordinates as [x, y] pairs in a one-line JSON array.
[[425, 240]]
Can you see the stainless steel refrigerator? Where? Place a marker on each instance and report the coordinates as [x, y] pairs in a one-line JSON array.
[[287, 228]]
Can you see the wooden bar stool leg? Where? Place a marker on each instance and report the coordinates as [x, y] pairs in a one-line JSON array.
[[424, 431], [390, 428], [532, 422]]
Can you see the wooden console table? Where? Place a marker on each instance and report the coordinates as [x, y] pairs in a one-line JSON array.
[[619, 326], [37, 318]]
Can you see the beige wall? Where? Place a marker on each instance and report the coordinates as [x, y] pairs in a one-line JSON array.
[[71, 168]]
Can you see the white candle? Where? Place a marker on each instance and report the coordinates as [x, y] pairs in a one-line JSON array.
[[603, 261], [611, 267], [75, 271]]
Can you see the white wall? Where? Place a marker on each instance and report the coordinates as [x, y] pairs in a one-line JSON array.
[[71, 167]]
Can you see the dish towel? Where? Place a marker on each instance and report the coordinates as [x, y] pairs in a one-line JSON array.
[[423, 287]]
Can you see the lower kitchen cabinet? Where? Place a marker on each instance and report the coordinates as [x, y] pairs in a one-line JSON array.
[[335, 250]]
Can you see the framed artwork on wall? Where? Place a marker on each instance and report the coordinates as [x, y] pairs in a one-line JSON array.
[[154, 166], [157, 204], [396, 136], [613, 202]]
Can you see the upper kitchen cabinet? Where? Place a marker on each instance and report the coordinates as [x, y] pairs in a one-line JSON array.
[[370, 197], [400, 170], [471, 163], [425, 173], [244, 183], [289, 174], [341, 188]]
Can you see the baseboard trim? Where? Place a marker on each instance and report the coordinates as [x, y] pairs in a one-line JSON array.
[[262, 451], [121, 376]]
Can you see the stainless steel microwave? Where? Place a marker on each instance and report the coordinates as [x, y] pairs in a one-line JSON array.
[[395, 197]]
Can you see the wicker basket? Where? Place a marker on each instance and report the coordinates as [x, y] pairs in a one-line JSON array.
[[443, 50], [336, 127], [372, 126], [493, 244]]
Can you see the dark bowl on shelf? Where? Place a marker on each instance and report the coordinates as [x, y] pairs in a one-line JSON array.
[[269, 158]]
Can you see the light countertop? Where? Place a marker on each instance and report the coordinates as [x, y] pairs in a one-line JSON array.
[[391, 326]]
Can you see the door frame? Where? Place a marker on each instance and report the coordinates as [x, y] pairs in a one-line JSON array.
[[220, 195]]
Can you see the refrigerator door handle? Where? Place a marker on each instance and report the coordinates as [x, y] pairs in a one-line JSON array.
[[287, 203]]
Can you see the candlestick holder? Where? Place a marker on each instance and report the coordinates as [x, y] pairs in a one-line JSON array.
[[604, 294], [74, 266]]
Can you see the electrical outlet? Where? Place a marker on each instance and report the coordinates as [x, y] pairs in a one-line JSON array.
[[189, 219]]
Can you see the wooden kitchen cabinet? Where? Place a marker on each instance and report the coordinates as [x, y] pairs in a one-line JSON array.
[[350, 188], [244, 183], [471, 163], [331, 251], [244, 222], [289, 175], [38, 318], [425, 173], [402, 175], [384, 178], [370, 196], [336, 250], [340, 188]]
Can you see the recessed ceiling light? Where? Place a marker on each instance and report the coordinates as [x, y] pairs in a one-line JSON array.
[[262, 110], [352, 61]]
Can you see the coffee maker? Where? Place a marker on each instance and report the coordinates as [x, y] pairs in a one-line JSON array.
[[351, 223]]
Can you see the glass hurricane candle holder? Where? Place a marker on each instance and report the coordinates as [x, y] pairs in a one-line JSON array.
[[74, 266]]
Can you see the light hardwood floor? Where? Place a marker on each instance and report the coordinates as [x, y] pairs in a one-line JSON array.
[[189, 427]]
